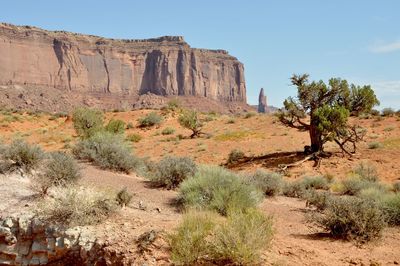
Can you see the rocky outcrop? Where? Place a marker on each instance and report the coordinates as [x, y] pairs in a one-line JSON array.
[[262, 102], [121, 69]]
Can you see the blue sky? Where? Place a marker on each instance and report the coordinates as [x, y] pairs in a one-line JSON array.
[[358, 40]]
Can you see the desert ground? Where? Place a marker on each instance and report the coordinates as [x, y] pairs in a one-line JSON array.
[[295, 242]]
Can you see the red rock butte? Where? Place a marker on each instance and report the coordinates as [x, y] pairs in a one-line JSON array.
[[92, 67]]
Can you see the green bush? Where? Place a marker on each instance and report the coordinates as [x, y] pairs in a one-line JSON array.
[[317, 199], [268, 182], [396, 186], [387, 112], [215, 188], [129, 125], [134, 137], [235, 156], [366, 172], [171, 171], [173, 104], [168, 131], [294, 189], [124, 197], [391, 208], [87, 122], [315, 182], [116, 126], [23, 155], [76, 206], [204, 238], [374, 145], [190, 119], [249, 114], [351, 218], [151, 119], [354, 184], [107, 150]]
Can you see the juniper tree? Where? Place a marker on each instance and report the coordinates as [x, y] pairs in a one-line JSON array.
[[323, 110]]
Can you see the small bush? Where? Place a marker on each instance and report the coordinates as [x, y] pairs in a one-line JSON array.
[[396, 186], [351, 218], [315, 182], [366, 172], [116, 126], [294, 189], [173, 104], [317, 199], [391, 208], [134, 137], [249, 114], [73, 206], [171, 171], [235, 156], [374, 145], [168, 131], [124, 197], [189, 119], [375, 193], [387, 112], [23, 155], [129, 125], [215, 188], [109, 151], [375, 112], [353, 185], [231, 121], [151, 119], [87, 122], [269, 183]]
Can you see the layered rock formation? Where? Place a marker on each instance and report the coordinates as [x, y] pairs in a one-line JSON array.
[[262, 102], [124, 69]]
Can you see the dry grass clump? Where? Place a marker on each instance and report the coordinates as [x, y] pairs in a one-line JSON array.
[[268, 182], [237, 239], [235, 156], [73, 206]]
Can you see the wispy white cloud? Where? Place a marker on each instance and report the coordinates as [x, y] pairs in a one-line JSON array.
[[385, 47]]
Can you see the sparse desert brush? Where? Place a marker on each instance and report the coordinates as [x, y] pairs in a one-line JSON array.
[[129, 125], [387, 112], [173, 105], [391, 208], [388, 129], [190, 119], [315, 182], [351, 218], [215, 188], [317, 199], [249, 114], [73, 206], [204, 237], [231, 121], [235, 155], [168, 131], [60, 170], [134, 137], [20, 154], [107, 150], [374, 145], [396, 186], [87, 122], [354, 184], [171, 171], [269, 183], [294, 189], [116, 126], [366, 172], [149, 120], [124, 197]]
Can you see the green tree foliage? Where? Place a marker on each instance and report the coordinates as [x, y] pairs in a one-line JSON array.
[[87, 122], [328, 107], [190, 119], [116, 126]]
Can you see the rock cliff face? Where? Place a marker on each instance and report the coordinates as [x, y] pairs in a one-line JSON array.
[[91, 65]]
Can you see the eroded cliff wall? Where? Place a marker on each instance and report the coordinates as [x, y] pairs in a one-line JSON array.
[[85, 64]]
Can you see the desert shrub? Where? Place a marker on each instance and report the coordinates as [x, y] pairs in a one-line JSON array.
[[374, 145], [351, 218], [294, 189], [235, 155], [173, 104], [129, 125], [23, 155], [249, 114], [317, 199], [315, 182], [353, 185], [374, 192], [391, 208], [366, 172], [73, 206], [396, 186], [116, 126], [168, 131], [387, 112], [218, 189], [124, 197], [375, 112], [203, 237], [241, 238], [87, 122], [134, 137], [231, 121], [171, 171], [190, 119], [151, 119], [268, 182], [109, 151], [189, 241]]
